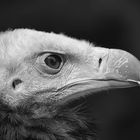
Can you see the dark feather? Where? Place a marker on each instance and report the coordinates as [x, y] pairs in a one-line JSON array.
[[48, 123]]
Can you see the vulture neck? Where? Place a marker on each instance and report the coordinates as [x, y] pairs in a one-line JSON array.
[[51, 123]]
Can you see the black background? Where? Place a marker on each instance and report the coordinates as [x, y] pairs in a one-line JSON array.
[[107, 23]]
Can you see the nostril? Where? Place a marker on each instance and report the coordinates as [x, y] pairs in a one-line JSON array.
[[16, 82], [100, 61]]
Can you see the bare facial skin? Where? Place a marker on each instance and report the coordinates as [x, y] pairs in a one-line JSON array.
[[41, 71]]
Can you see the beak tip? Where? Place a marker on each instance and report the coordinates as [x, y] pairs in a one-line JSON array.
[[134, 69], [131, 69], [125, 66]]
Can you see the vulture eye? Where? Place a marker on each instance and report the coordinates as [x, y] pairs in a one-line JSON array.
[[50, 63], [53, 61]]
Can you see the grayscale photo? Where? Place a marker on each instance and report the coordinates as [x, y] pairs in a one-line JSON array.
[[69, 70]]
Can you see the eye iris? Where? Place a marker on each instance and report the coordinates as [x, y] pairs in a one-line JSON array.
[[53, 61]]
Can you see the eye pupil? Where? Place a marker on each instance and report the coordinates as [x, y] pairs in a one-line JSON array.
[[53, 61]]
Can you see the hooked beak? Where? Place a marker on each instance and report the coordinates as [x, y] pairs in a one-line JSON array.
[[113, 68], [121, 69]]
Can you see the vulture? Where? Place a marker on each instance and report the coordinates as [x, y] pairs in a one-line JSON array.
[[40, 73]]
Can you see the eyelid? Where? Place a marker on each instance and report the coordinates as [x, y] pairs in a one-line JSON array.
[[40, 64], [51, 52]]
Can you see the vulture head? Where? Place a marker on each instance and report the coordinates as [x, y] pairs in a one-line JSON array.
[[41, 72]]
